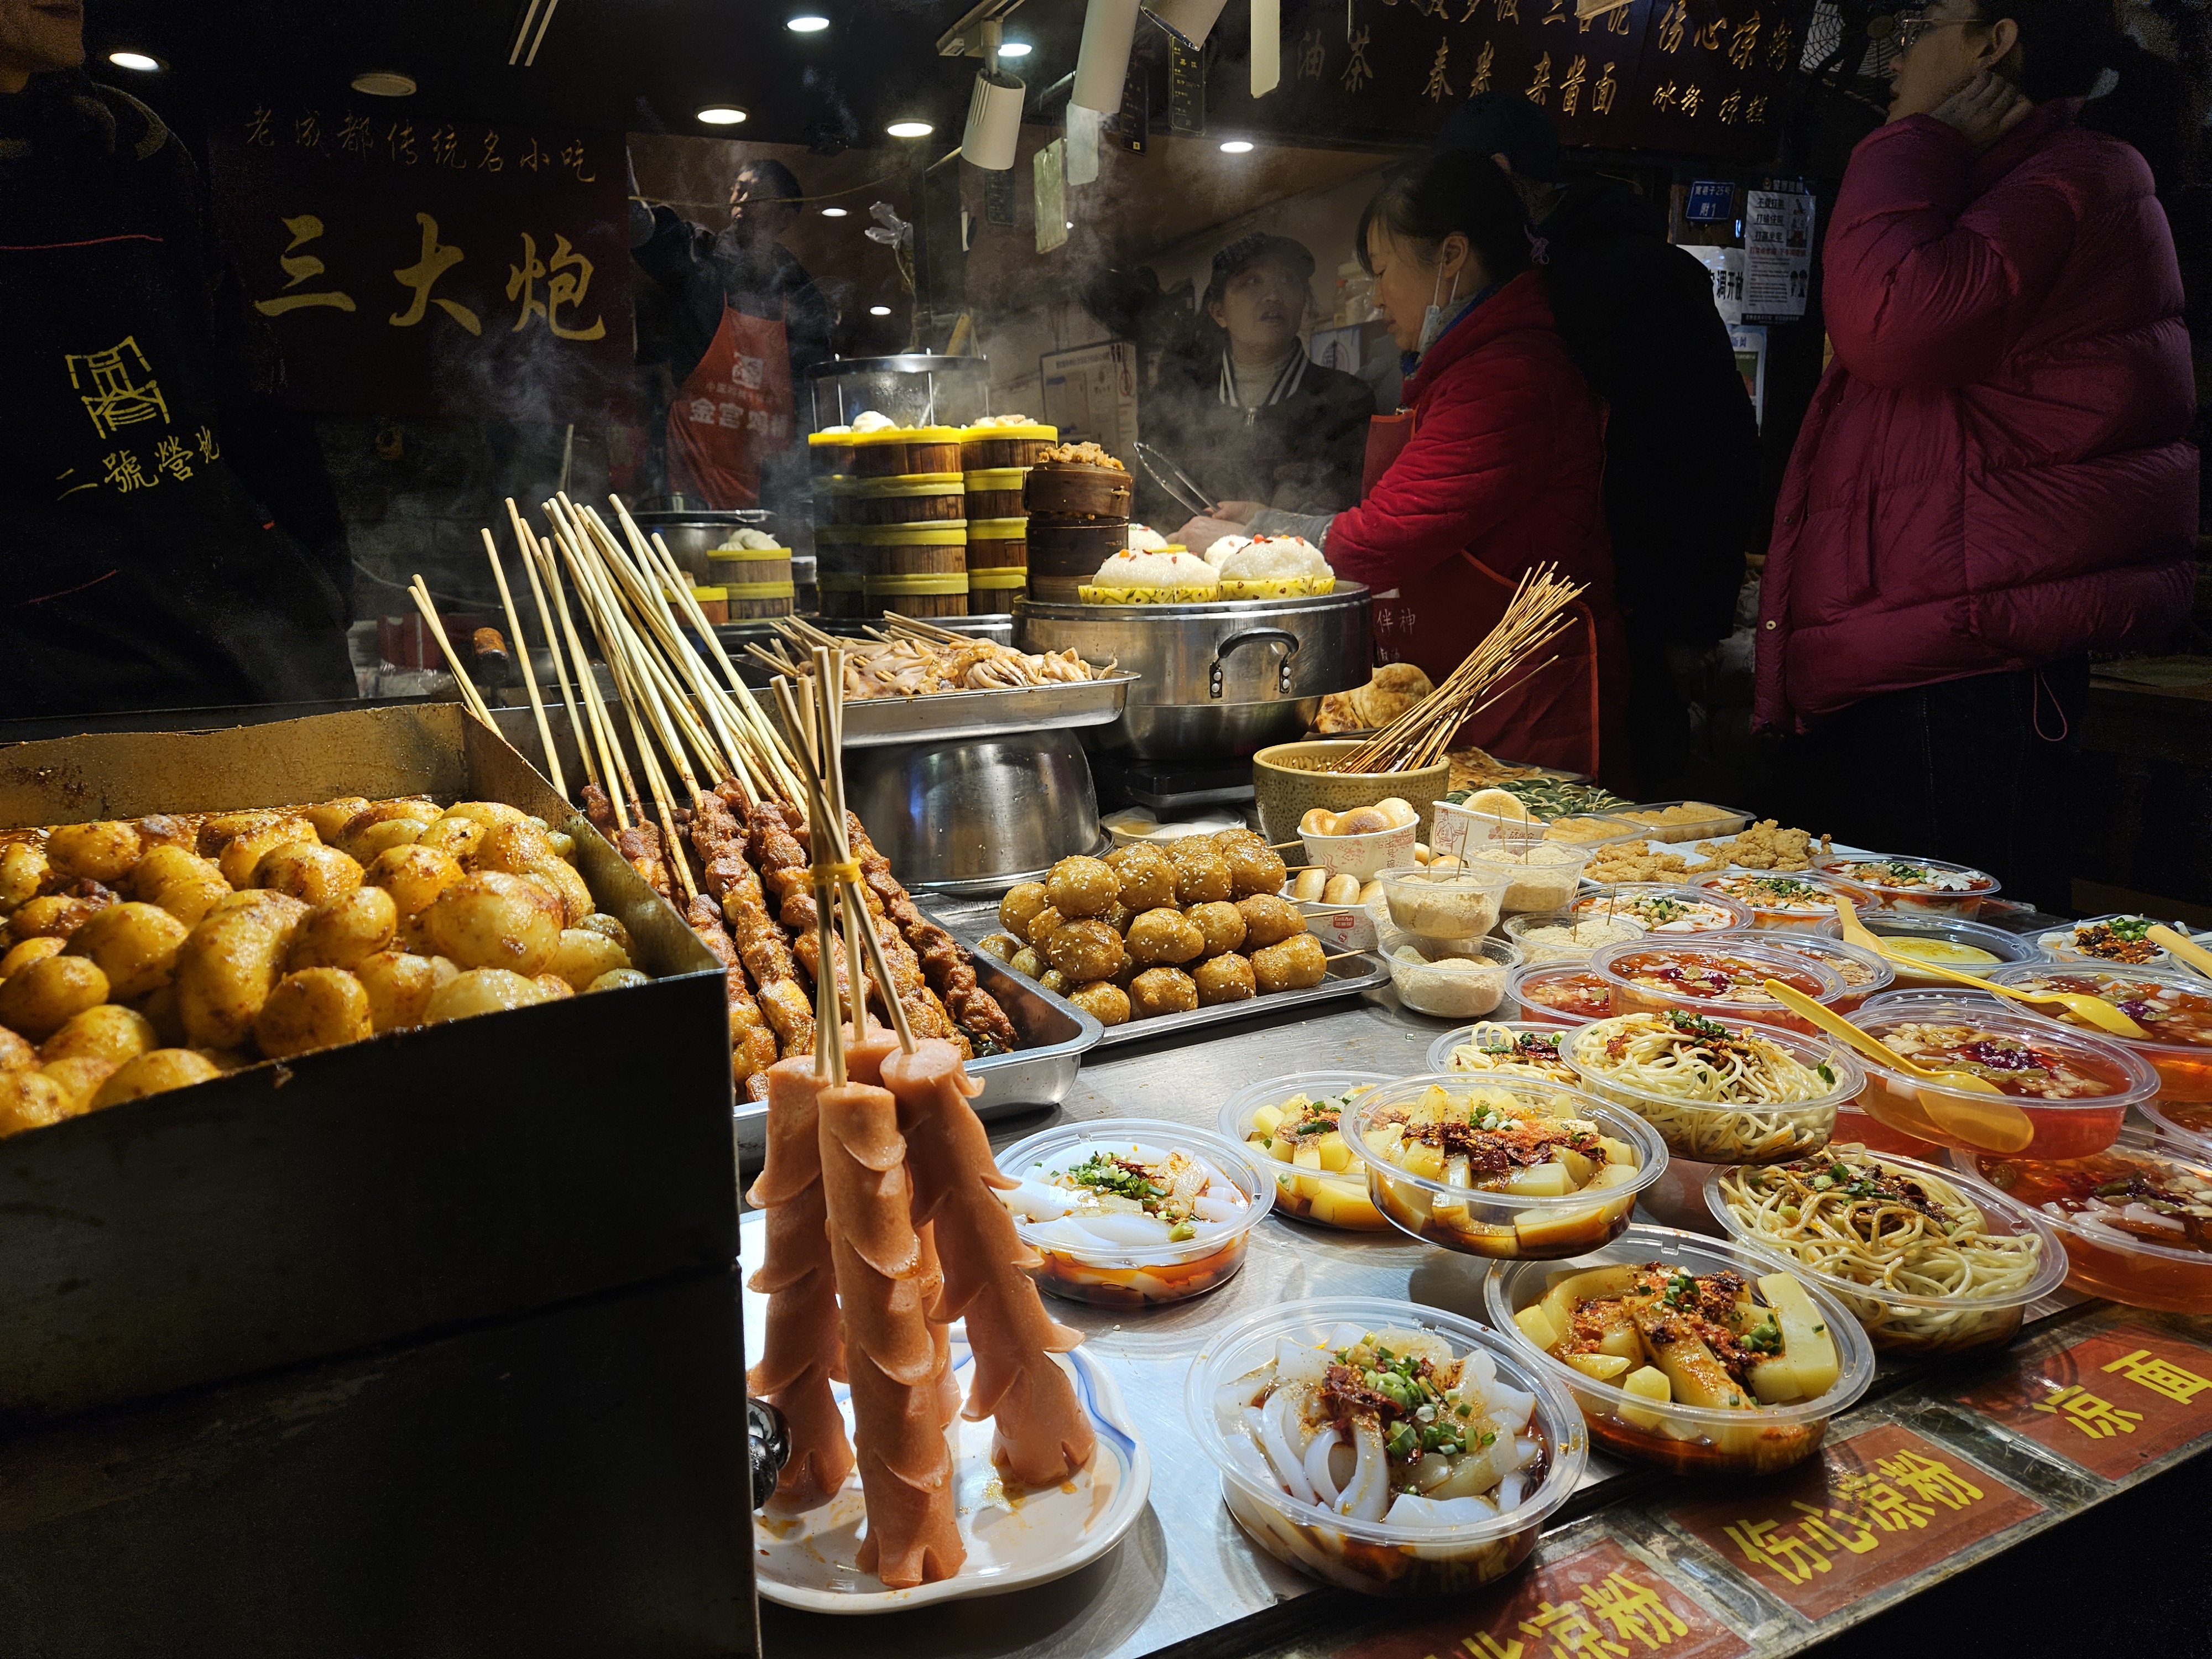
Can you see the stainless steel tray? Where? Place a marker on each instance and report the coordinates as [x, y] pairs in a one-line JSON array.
[[1346, 976], [1056, 1033], [878, 722]]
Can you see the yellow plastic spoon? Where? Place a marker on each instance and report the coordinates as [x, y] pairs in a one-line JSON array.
[[2090, 1011], [2190, 952], [1994, 1124]]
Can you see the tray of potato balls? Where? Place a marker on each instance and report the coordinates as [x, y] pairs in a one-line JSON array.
[[1157, 938], [140, 956]]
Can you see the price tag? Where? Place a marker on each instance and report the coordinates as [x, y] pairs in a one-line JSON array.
[[2111, 1403], [1597, 1603], [1865, 1515]]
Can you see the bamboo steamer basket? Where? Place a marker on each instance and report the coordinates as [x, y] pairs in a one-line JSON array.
[[916, 569]]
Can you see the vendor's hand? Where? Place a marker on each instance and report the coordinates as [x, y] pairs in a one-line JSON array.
[[1202, 532], [1983, 110], [1239, 512]]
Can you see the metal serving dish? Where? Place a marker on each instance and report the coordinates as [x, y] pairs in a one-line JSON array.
[[961, 716], [1055, 1034], [975, 814], [1220, 679]]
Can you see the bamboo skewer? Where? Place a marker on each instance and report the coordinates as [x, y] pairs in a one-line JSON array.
[[529, 545], [529, 676], [616, 763], [471, 699], [597, 726]]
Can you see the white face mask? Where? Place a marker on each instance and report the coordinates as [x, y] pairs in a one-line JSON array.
[[1432, 320]]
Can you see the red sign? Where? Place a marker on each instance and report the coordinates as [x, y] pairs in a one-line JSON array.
[[2111, 1402], [1598, 1603], [412, 267], [1865, 1515]]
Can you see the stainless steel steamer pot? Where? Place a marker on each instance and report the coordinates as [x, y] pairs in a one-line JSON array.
[[1219, 679]]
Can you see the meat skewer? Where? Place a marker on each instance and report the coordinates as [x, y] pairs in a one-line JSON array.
[[951, 975]]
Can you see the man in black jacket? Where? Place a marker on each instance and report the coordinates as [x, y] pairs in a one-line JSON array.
[[145, 476], [1681, 442]]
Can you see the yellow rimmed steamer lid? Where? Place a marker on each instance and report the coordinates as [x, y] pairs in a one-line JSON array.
[[997, 530], [910, 484], [910, 435], [782, 590], [915, 582], [995, 477], [752, 553], [984, 434], [999, 576], [932, 532]]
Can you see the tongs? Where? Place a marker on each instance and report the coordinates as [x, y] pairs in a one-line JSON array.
[[1183, 488]]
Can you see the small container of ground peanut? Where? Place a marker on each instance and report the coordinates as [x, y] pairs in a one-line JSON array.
[[1541, 875], [1555, 936], [1457, 903]]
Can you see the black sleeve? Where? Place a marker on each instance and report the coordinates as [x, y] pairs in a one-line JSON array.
[[807, 324], [1327, 460]]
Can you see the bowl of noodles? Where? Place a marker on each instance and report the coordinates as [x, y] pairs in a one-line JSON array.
[[1934, 1263], [1508, 1047], [1718, 1091]]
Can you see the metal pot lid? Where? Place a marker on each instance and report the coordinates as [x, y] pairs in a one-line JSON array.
[[905, 362], [738, 518]]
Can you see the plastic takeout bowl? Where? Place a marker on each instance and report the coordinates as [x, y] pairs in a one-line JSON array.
[[1559, 994], [1518, 928], [1374, 1557], [1865, 976], [1543, 875], [1626, 967], [2184, 1069], [1453, 901], [1863, 871], [1704, 912], [1326, 1197], [1685, 1438], [1428, 982], [1442, 1052]]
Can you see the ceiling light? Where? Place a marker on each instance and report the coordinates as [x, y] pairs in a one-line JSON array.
[[145, 64], [1014, 48], [880, 311], [721, 115], [806, 22], [1236, 147], [833, 213], [993, 137], [1102, 62], [385, 83], [1191, 21], [909, 129]]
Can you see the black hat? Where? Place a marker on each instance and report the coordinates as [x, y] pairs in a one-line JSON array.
[[1508, 125], [1248, 250]]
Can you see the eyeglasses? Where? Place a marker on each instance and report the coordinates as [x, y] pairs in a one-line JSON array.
[[1909, 29]]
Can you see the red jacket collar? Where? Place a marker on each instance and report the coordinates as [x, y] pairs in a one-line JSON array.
[[2043, 123], [1522, 304]]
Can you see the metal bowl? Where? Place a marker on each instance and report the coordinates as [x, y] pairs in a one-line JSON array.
[[1219, 679]]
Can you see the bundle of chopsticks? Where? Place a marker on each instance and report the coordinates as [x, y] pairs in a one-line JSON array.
[[909, 658], [729, 852], [1421, 736]]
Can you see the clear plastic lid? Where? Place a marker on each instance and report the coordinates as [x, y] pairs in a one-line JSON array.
[[1863, 973], [1667, 909], [1067, 1145], [1509, 1039], [2130, 1077], [1923, 879], [2174, 1008], [1719, 973]]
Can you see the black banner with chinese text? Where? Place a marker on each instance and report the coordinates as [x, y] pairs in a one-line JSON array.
[[1702, 79], [410, 267]]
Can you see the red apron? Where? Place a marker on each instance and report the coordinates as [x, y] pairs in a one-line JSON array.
[[734, 409], [1549, 717]]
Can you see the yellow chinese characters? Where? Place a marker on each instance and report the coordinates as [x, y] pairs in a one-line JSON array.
[[298, 268], [111, 391], [1900, 1494], [1598, 1624], [568, 275], [2101, 1419], [423, 276], [2160, 1376]]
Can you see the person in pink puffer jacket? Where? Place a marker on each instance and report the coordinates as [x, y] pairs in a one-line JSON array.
[[1995, 477]]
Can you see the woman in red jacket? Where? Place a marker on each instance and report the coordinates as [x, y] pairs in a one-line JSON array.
[[1496, 469], [1995, 477]]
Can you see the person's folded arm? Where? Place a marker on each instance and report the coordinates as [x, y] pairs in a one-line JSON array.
[[1918, 287]]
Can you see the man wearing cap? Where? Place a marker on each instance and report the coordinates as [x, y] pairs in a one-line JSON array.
[[1681, 442], [1248, 415]]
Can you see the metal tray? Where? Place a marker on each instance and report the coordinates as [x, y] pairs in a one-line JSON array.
[[952, 716], [1057, 1033]]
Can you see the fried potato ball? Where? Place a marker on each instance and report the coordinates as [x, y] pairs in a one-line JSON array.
[[1083, 886], [483, 991], [1222, 923], [283, 908], [344, 932], [1292, 965], [1202, 880], [217, 827], [583, 956], [1184, 848], [1104, 1000], [1146, 874], [1269, 919], [1026, 962], [609, 927], [165, 1013], [17, 1054], [135, 944], [492, 813], [331, 817], [80, 1078], [1083, 951], [414, 875], [154, 1073], [1001, 946], [226, 968], [1162, 991], [363, 845], [242, 854], [100, 852], [1253, 869], [309, 871], [1239, 835], [398, 986], [315, 1008], [1019, 906], [167, 830], [23, 870], [47, 995], [1224, 979], [1164, 935], [31, 1100], [165, 863], [19, 956], [554, 986], [493, 919], [109, 1032], [385, 811], [1042, 925], [623, 978], [189, 898], [57, 916]]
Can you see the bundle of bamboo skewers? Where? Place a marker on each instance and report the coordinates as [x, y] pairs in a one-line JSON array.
[[907, 658], [1421, 736]]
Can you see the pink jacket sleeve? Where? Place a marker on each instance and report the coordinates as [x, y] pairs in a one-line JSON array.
[[1475, 461], [1919, 288]]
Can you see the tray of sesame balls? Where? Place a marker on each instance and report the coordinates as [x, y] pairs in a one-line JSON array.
[[1155, 939]]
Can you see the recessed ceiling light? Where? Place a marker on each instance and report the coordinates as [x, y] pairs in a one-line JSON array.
[[806, 22], [721, 115], [385, 83], [909, 129], [141, 62], [1014, 48], [880, 311], [1236, 147], [833, 213]]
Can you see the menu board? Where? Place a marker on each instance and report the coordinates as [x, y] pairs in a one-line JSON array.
[[1705, 79], [2114, 1403], [409, 266], [1864, 1516]]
